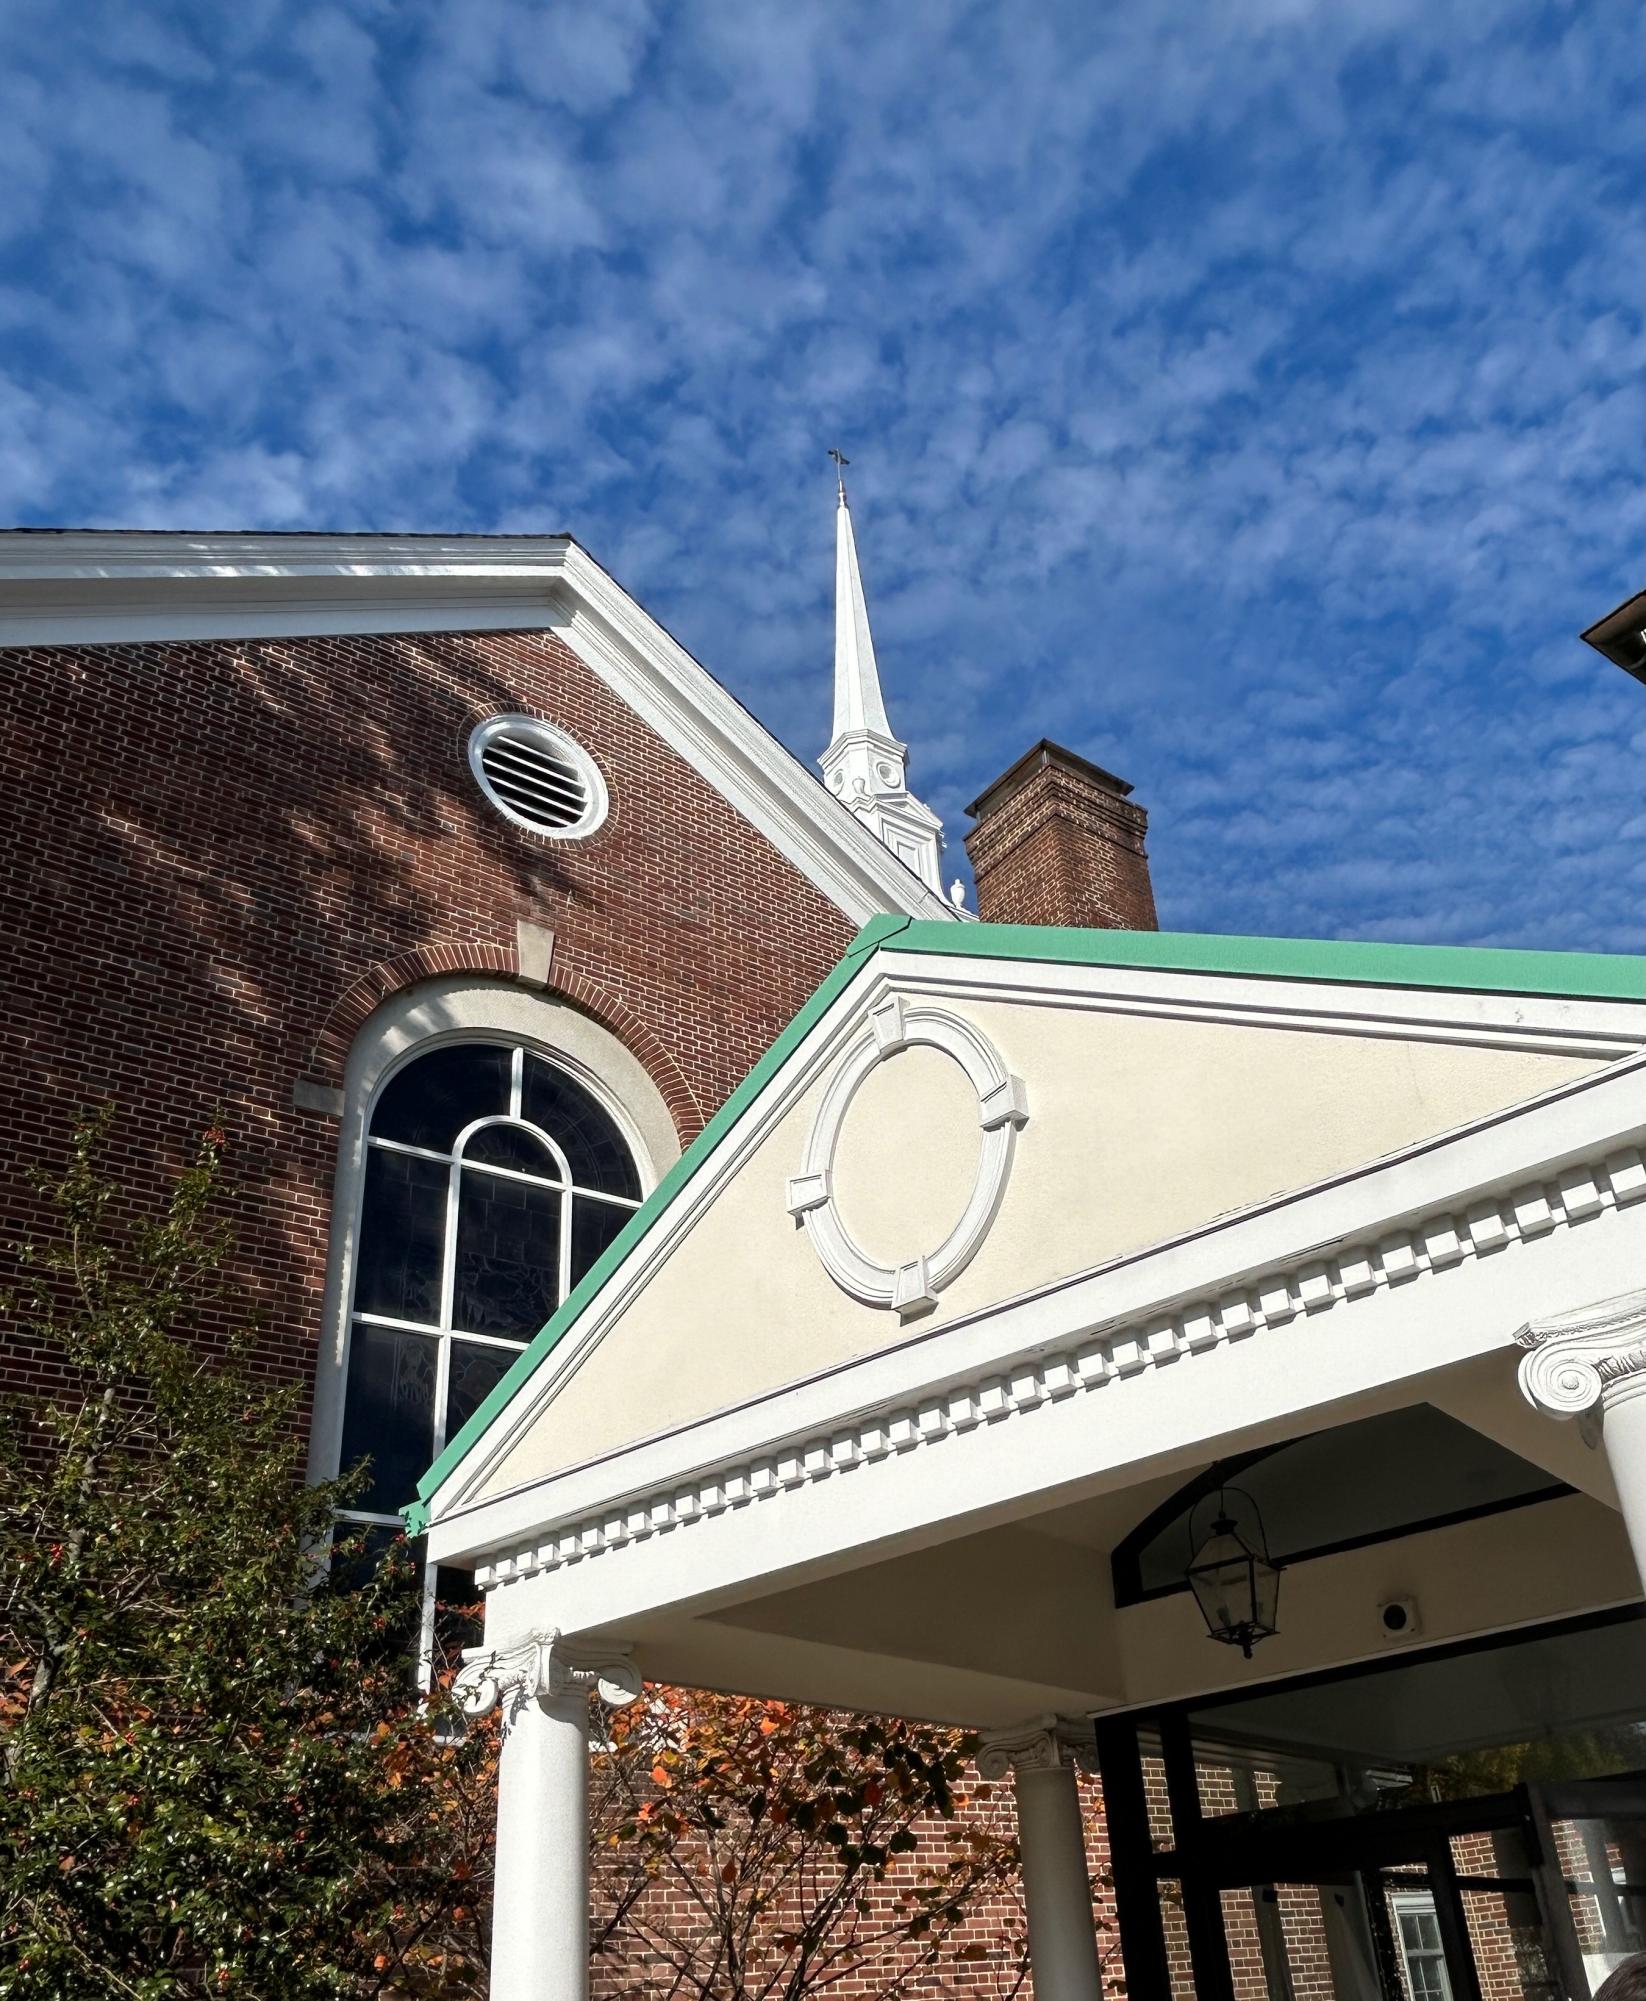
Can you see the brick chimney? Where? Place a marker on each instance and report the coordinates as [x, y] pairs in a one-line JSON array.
[[1059, 841]]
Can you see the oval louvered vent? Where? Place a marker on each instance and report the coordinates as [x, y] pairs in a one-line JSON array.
[[538, 777]]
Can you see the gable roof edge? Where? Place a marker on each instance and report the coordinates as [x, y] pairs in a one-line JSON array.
[[861, 950], [1457, 968], [757, 771], [111, 587]]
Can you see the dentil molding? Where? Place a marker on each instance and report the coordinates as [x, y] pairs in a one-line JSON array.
[[1170, 1336], [546, 1670], [1595, 1355], [913, 1286]]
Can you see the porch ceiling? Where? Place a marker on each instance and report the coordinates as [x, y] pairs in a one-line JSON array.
[[1017, 1621]]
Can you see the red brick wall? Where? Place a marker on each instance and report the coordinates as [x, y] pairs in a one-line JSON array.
[[210, 851], [985, 1959]]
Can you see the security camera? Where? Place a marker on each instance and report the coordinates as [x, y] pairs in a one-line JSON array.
[[1398, 1619]]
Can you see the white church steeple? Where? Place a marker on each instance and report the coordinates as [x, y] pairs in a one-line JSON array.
[[865, 765]]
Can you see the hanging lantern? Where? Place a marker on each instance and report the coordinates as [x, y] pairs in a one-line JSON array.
[[1235, 1581]]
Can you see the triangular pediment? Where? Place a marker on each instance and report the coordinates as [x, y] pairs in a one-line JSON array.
[[946, 1129]]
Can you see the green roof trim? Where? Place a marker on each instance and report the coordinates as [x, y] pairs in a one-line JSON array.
[[1464, 968], [874, 934], [1577, 975]]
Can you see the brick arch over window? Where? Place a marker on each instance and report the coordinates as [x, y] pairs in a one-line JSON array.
[[548, 974]]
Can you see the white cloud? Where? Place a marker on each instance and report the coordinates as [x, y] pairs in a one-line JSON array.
[[1247, 393]]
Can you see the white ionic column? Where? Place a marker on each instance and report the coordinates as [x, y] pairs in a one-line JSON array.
[[1056, 1887], [1591, 1365], [540, 1906]]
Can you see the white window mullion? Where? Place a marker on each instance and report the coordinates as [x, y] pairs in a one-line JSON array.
[[515, 1174], [563, 1276], [448, 1288], [448, 1261], [442, 1389], [488, 1340], [398, 1326], [405, 1146], [442, 1394], [517, 1080]]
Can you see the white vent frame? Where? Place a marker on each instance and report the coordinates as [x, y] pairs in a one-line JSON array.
[[546, 737]]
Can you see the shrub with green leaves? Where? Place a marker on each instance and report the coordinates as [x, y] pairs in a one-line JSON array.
[[215, 1777]]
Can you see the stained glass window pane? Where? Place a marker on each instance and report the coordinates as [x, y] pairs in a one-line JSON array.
[[433, 1099], [389, 1413], [508, 1256], [476, 1369], [402, 1236], [512, 1146], [581, 1127], [594, 1225], [502, 1276]]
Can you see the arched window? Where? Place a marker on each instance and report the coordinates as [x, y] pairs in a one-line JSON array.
[[492, 1179]]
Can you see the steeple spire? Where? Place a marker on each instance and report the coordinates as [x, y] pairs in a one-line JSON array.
[[858, 704], [865, 765]]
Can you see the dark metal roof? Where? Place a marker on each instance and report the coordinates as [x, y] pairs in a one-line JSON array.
[[1036, 759], [1621, 636]]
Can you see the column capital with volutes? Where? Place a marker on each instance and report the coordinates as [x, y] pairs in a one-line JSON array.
[[547, 1669], [1594, 1355], [1044, 1744]]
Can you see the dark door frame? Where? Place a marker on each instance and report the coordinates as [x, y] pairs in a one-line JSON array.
[[1208, 1856]]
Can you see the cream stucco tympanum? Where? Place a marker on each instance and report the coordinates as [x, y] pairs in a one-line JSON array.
[[1144, 1127], [901, 1191]]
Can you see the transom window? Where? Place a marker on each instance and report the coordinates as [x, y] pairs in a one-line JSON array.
[[1371, 1480], [493, 1180]]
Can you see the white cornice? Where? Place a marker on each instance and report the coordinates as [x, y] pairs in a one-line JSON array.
[[48, 554], [1515, 1177], [1547, 1024], [89, 588], [987, 1394]]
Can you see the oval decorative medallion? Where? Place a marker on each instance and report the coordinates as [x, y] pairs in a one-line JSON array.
[[912, 1286]]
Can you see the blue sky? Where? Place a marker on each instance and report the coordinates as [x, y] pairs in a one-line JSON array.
[[1248, 395]]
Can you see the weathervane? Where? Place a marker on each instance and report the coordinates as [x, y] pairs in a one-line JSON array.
[[841, 462]]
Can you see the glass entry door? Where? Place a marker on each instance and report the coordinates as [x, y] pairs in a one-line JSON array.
[[1393, 1930], [1368, 1937], [1537, 1901], [1460, 1917], [1594, 1834], [1466, 1824], [1535, 1894]]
